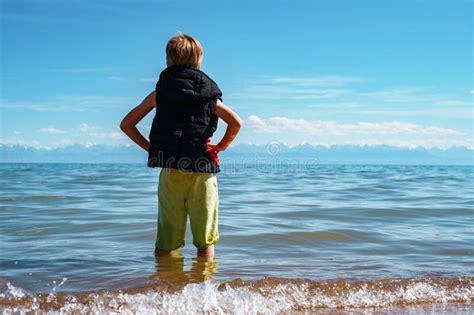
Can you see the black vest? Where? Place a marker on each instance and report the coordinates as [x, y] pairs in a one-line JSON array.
[[184, 120]]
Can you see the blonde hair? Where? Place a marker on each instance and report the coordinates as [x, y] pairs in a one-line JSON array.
[[184, 50]]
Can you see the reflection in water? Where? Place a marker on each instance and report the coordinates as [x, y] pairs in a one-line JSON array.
[[203, 268], [170, 269]]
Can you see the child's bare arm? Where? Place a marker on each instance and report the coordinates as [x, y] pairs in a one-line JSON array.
[[130, 121], [233, 122]]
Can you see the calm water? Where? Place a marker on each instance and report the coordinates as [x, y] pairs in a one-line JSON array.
[[293, 238]]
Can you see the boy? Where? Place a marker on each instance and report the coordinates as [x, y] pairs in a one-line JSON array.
[[188, 104]]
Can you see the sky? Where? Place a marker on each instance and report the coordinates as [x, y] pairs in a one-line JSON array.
[[328, 73]]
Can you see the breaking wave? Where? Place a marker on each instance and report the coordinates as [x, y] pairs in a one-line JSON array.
[[264, 296]]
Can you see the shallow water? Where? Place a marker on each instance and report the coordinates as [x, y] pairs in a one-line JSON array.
[[396, 235]]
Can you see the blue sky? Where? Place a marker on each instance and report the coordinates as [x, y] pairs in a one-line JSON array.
[[322, 72]]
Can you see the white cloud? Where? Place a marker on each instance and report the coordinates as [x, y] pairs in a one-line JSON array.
[[92, 101], [107, 135], [65, 142], [414, 96], [84, 70], [403, 134], [342, 91], [400, 94], [115, 135], [454, 103], [115, 78], [354, 109], [37, 107], [325, 81], [273, 92], [88, 128], [50, 130], [298, 88], [439, 112], [72, 103], [95, 132]]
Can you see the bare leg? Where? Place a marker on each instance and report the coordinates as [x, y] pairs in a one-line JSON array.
[[206, 252], [160, 252]]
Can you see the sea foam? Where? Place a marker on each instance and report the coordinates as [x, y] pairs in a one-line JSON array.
[[265, 296]]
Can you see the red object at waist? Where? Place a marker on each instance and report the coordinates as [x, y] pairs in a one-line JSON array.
[[212, 152]]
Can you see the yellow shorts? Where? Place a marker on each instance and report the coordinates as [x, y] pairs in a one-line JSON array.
[[182, 193]]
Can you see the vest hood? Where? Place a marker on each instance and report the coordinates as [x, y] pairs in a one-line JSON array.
[[186, 85]]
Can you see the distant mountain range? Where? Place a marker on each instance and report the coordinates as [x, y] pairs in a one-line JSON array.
[[247, 153]]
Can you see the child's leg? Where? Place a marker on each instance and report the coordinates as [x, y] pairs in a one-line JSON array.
[[172, 216], [206, 252], [202, 205], [161, 252]]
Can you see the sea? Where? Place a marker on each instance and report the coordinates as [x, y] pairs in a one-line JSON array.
[[294, 239]]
